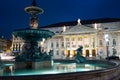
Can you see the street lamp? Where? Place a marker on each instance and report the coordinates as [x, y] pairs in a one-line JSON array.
[[107, 43], [96, 27]]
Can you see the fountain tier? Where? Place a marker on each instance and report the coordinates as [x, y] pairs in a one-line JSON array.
[[31, 53]]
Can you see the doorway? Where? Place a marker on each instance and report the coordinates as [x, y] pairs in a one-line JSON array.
[[94, 53], [67, 53], [87, 53]]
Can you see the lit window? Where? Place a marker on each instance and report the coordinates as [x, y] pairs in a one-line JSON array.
[[85, 36], [67, 39], [73, 39], [79, 38]]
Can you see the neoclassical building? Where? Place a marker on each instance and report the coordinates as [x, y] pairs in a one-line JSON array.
[[99, 38], [5, 45]]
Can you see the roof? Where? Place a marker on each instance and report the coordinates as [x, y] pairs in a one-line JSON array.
[[92, 21], [71, 23]]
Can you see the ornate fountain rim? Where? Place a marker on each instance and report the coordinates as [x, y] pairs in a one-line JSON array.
[[104, 74]]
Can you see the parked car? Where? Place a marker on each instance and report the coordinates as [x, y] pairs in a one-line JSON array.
[[112, 58]]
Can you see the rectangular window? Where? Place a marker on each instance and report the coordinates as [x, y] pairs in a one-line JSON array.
[[73, 39], [68, 44], [79, 38], [51, 44], [114, 42], [57, 45], [62, 44], [100, 43], [57, 52], [63, 53], [67, 39], [93, 42]]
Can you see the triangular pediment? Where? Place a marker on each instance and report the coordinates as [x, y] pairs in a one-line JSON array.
[[80, 29]]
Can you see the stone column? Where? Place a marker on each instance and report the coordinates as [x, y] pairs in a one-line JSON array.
[[84, 54], [118, 44], [64, 45], [76, 41], [70, 46], [90, 48], [96, 42]]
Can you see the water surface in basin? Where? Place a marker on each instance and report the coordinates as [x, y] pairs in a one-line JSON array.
[[59, 68]]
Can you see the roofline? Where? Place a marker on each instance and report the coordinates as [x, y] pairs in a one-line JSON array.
[[91, 21]]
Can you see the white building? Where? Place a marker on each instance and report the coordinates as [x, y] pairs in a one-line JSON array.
[[99, 38]]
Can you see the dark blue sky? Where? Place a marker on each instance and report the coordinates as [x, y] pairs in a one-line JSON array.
[[12, 15]]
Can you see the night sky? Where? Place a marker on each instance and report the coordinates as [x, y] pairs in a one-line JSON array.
[[12, 15]]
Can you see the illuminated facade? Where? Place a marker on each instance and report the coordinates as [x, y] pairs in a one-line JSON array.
[[98, 39], [17, 44], [5, 45]]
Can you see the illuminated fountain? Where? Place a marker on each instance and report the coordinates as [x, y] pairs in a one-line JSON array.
[[36, 61], [31, 54]]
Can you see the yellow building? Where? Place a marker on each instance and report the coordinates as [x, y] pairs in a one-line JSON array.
[[5, 45]]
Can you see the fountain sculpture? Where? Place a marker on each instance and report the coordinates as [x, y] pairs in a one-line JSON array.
[[33, 58], [31, 54], [79, 58]]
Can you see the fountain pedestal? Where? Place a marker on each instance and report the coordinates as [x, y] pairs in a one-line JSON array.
[[42, 64], [31, 55], [33, 65]]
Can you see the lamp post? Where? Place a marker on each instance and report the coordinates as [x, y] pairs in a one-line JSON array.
[[42, 44], [96, 27], [107, 44]]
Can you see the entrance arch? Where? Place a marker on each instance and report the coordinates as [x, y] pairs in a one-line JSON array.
[[87, 53], [67, 53], [73, 53], [94, 53]]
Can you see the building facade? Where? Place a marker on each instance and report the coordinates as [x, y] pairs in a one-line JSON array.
[[5, 45], [98, 40]]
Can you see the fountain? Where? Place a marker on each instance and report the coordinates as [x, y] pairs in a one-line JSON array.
[[79, 58], [32, 56], [33, 64]]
